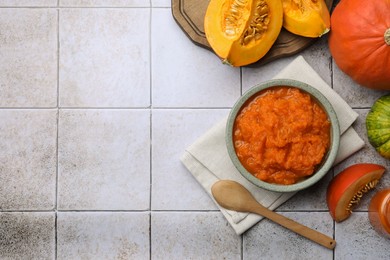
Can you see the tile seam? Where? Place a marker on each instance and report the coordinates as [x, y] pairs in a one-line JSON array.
[[57, 135]]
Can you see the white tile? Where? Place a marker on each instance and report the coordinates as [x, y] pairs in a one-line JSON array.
[[105, 3], [27, 235], [272, 241], [356, 239], [28, 51], [317, 55], [104, 159], [354, 94], [103, 235], [173, 186], [193, 235], [28, 3], [161, 3], [28, 159], [104, 57], [184, 74], [310, 199]]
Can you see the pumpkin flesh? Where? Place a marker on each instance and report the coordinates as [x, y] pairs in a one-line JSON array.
[[309, 18], [359, 41], [347, 188], [242, 31]]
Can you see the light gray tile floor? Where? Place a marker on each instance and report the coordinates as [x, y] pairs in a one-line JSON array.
[[98, 100]]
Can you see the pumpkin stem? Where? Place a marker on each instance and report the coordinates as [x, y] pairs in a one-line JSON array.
[[387, 36]]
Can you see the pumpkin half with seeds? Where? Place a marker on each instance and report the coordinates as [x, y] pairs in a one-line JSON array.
[[309, 18], [242, 31]]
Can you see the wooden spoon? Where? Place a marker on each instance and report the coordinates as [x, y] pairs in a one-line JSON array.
[[232, 195]]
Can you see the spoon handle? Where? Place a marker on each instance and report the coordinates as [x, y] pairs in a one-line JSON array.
[[300, 229]]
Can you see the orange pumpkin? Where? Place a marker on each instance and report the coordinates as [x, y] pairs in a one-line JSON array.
[[242, 31], [360, 41]]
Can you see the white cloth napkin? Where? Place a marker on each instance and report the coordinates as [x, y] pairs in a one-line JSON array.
[[208, 161]]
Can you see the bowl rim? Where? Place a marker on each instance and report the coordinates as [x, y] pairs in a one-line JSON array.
[[332, 151]]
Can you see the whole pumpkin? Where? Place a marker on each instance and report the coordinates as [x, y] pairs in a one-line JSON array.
[[378, 126], [359, 41]]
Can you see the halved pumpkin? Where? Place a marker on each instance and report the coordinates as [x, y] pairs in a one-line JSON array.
[[309, 18], [242, 31]]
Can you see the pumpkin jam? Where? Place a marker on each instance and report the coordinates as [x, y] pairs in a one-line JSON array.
[[281, 135]]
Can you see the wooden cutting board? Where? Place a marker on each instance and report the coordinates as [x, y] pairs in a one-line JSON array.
[[189, 14]]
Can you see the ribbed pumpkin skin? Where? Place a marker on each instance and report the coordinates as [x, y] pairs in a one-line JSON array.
[[378, 126], [357, 41]]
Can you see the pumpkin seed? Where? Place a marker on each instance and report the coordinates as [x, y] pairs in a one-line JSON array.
[[247, 39], [259, 23], [257, 26]]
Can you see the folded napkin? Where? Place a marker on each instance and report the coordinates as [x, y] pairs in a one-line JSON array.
[[208, 161]]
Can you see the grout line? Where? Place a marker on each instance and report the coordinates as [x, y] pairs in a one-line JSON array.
[[150, 59], [331, 72], [58, 58], [191, 108], [150, 235], [57, 136], [81, 7], [28, 108], [361, 211], [240, 81], [242, 246], [332, 86], [130, 108], [84, 7], [150, 184], [150, 127], [55, 236]]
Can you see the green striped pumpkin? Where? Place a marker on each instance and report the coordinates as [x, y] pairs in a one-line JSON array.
[[378, 126]]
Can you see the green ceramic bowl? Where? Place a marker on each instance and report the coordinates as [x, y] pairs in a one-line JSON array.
[[329, 158]]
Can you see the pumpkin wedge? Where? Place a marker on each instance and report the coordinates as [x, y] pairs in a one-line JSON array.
[[309, 18], [242, 31], [348, 187]]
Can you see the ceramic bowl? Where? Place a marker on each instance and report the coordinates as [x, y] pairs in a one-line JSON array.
[[328, 159]]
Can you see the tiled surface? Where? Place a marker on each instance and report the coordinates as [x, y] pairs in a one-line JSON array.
[[114, 38], [179, 70], [98, 100], [103, 159], [267, 238], [27, 235], [173, 236], [32, 3], [103, 235], [28, 48], [28, 159]]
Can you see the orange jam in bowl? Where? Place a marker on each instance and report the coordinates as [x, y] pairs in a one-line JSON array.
[[281, 135]]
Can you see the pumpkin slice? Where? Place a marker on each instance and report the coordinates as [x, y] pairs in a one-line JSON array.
[[346, 189], [309, 18], [242, 31]]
